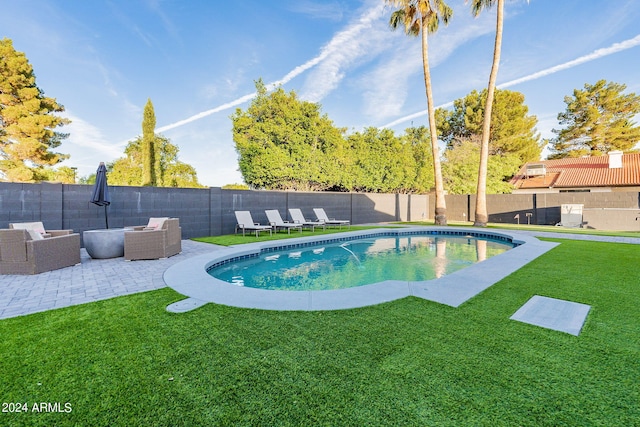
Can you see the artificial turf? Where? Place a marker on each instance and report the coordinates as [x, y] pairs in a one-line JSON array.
[[126, 361], [239, 239]]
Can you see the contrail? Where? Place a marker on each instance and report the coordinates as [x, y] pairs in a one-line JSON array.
[[414, 115], [334, 45], [596, 54], [207, 113]]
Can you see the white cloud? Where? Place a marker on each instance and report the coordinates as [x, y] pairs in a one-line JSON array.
[[362, 38], [85, 135], [342, 49], [388, 85]]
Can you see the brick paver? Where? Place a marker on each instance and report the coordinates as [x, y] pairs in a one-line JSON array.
[[91, 280]]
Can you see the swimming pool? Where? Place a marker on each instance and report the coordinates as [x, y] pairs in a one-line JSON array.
[[190, 277], [358, 262]]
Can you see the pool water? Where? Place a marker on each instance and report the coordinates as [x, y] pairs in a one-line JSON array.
[[359, 262]]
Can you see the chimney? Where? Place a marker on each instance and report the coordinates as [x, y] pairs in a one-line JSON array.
[[615, 159]]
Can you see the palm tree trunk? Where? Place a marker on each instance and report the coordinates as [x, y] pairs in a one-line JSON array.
[[481, 216], [441, 206]]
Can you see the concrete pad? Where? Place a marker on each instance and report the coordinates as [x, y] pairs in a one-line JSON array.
[[462, 285], [377, 293], [190, 277], [555, 314], [185, 305]]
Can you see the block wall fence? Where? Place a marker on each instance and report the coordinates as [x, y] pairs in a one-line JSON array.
[[210, 211], [202, 211]]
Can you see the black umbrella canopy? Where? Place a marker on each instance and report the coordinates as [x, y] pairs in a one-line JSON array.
[[100, 195]]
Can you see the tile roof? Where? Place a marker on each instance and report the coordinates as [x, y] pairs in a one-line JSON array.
[[582, 172]]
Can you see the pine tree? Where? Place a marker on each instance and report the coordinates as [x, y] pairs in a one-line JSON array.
[[148, 149], [513, 130], [27, 122], [598, 119], [170, 172]]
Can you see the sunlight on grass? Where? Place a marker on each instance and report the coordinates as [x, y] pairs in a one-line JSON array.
[[238, 239], [534, 228]]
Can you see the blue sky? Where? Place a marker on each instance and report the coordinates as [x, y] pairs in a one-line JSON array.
[[198, 60]]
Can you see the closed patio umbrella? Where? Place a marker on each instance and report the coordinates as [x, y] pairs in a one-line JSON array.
[[100, 195]]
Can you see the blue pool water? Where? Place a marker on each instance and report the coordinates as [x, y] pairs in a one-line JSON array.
[[353, 263]]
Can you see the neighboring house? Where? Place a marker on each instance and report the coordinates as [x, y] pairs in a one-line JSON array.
[[613, 172]]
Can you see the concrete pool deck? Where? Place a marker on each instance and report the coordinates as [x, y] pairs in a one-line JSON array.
[[190, 277]]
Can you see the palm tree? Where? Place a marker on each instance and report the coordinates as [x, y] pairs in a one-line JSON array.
[[422, 17], [481, 216]]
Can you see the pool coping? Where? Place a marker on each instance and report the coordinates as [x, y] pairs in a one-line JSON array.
[[190, 277]]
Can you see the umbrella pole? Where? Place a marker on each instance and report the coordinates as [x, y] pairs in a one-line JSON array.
[[106, 216]]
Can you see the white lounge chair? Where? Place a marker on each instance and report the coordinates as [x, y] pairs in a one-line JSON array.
[[245, 222], [276, 221], [298, 217], [322, 216]]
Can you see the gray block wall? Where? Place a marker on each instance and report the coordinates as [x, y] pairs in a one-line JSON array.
[[210, 211], [202, 212], [544, 208], [614, 219]]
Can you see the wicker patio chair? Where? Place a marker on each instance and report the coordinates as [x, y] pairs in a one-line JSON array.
[[39, 227], [20, 253], [161, 242]]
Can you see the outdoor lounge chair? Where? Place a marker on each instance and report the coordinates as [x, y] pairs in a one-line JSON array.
[[20, 253], [160, 241], [275, 220], [245, 222], [322, 216], [298, 218]]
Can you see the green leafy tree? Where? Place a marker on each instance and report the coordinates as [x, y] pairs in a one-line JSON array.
[[597, 120], [513, 130], [382, 162], [148, 150], [419, 140], [285, 143], [27, 121], [170, 171], [87, 180], [481, 217], [63, 174], [460, 167], [422, 17], [235, 186]]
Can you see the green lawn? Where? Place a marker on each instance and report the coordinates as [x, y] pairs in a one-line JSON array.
[[126, 361], [545, 228]]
